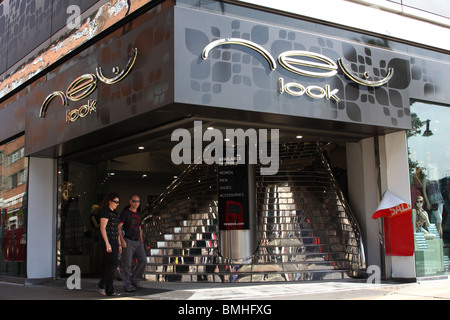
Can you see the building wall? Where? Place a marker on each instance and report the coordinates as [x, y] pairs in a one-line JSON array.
[[395, 178], [425, 23], [425, 79], [41, 237], [364, 193], [27, 24]]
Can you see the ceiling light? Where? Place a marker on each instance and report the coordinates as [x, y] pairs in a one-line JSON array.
[[299, 137], [141, 148]]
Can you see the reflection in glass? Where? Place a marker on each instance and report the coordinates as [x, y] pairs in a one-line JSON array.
[[80, 190], [305, 228], [13, 209], [429, 165]]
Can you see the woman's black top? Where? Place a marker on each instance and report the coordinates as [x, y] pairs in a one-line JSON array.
[[112, 225]]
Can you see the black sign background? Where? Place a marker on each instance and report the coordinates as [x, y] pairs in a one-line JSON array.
[[233, 197]]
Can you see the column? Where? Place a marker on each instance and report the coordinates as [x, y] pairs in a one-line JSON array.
[[41, 236]]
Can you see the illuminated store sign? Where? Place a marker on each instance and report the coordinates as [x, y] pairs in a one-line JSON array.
[[305, 63], [82, 87]]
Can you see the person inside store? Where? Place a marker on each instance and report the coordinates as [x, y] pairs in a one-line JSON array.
[[97, 257], [133, 246], [420, 219], [110, 232], [435, 202]]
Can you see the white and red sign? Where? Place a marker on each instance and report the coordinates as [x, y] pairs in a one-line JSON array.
[[391, 206], [398, 227]]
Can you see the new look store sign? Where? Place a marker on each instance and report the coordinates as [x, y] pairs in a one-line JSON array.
[[252, 66], [304, 63], [82, 87]]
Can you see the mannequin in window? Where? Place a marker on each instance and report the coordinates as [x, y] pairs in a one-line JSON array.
[[416, 183], [72, 231], [434, 201], [420, 217]]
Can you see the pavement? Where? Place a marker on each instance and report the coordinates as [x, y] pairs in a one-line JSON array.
[[426, 289]]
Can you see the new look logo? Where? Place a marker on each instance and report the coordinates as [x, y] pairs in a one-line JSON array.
[[229, 149], [84, 86], [307, 64]]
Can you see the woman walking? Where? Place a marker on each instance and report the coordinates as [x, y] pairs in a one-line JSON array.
[[109, 228]]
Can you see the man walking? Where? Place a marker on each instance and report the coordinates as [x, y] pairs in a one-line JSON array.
[[132, 246]]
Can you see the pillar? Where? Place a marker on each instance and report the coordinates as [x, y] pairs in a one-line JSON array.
[[41, 235]]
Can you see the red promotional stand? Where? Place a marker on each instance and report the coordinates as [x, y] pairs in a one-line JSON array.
[[398, 227]]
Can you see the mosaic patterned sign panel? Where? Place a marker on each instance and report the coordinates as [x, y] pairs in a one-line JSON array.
[[240, 73], [26, 24], [124, 75], [216, 63]]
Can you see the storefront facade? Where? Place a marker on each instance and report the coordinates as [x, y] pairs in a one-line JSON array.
[[103, 118]]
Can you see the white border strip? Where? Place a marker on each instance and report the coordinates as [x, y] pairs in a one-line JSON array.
[[377, 16]]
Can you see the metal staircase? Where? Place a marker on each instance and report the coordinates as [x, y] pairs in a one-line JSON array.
[[305, 229]]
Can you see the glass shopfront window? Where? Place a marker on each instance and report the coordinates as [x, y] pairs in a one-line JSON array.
[[78, 236], [429, 165], [13, 208], [81, 188]]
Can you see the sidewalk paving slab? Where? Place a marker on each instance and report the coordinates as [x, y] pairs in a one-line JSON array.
[[201, 291]]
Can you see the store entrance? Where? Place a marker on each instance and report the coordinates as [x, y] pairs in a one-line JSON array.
[[137, 165], [82, 187]]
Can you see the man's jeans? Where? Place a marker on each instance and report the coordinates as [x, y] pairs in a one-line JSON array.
[[134, 250]]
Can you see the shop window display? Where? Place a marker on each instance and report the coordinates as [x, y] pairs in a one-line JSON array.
[[81, 189], [13, 210], [429, 165]]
